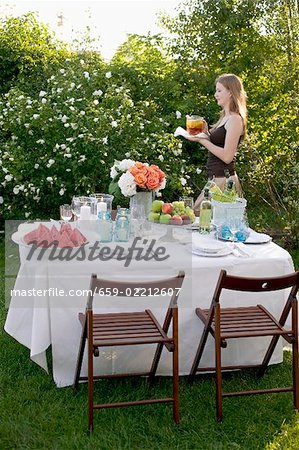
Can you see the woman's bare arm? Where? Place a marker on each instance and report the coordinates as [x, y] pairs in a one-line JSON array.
[[234, 129]]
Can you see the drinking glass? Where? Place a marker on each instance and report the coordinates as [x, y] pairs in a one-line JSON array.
[[188, 201], [66, 213], [137, 214], [194, 124]]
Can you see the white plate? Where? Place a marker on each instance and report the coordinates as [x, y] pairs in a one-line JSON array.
[[196, 251]]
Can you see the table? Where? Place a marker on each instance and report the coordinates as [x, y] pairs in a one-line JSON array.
[[51, 319]]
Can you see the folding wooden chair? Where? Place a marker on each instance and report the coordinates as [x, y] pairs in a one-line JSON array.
[[131, 328], [248, 321]]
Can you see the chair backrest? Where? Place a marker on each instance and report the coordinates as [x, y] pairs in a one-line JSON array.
[[169, 287], [262, 284]]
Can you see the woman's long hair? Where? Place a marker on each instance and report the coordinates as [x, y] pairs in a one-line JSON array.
[[238, 97]]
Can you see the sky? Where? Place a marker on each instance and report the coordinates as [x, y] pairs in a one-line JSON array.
[[110, 20]]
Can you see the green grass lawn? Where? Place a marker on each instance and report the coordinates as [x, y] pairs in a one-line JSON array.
[[35, 414]]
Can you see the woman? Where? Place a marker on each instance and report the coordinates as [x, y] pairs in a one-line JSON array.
[[224, 137]]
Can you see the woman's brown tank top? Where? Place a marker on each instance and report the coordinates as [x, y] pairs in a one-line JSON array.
[[216, 166]]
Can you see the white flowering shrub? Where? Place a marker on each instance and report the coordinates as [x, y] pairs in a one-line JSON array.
[[64, 139]]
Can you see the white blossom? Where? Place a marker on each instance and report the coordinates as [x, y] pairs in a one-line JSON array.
[[36, 166], [98, 92], [1, 200], [50, 179], [105, 140], [178, 114], [72, 85], [86, 75], [161, 157], [96, 102], [44, 100], [42, 93], [16, 190], [183, 181], [162, 186], [8, 177], [64, 118], [108, 75], [114, 124], [113, 172], [127, 184], [125, 164], [62, 71], [40, 141], [198, 170], [82, 113], [61, 192], [50, 162], [35, 116]]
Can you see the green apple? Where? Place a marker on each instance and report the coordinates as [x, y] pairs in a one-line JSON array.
[[157, 206], [154, 216], [165, 218]]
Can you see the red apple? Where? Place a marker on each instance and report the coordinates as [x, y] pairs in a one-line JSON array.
[[176, 220], [167, 208], [186, 219]]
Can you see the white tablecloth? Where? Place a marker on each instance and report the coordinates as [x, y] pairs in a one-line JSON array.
[[38, 321]]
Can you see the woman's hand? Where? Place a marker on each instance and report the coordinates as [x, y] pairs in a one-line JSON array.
[[205, 128], [200, 138]]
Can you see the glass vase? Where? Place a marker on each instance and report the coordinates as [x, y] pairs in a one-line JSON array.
[[142, 198]]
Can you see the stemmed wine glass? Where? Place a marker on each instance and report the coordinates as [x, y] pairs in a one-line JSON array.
[[66, 213]]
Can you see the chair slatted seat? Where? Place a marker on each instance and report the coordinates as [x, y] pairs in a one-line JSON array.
[[249, 321]]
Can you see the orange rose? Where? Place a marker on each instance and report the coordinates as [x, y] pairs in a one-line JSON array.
[[153, 181], [140, 179], [137, 168], [158, 171]]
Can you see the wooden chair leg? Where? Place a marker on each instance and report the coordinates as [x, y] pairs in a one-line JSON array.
[[80, 358], [218, 365], [155, 363], [198, 355], [90, 373], [295, 350], [295, 374], [90, 392], [267, 356], [175, 362]]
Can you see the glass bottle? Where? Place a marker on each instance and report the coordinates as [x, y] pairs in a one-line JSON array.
[[230, 190], [205, 214], [122, 226], [105, 226]]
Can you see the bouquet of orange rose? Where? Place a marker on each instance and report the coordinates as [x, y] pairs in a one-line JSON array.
[[130, 176]]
